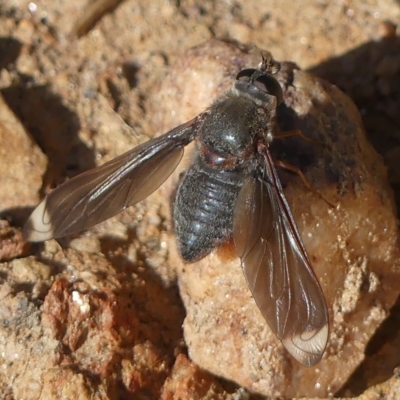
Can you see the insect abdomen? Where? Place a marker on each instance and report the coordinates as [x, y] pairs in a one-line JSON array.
[[203, 209]]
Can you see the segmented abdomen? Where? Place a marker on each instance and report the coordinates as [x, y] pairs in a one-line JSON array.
[[203, 209]]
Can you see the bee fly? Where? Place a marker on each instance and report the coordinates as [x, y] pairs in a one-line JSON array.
[[231, 189]]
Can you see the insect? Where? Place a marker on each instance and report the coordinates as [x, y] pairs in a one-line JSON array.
[[231, 189]]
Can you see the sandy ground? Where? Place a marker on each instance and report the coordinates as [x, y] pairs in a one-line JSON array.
[[100, 315]]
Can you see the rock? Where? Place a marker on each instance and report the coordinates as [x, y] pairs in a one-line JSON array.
[[387, 390], [352, 243], [12, 243], [22, 163], [188, 381], [80, 99]]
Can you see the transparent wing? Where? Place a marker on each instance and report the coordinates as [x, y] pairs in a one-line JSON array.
[[103, 192], [277, 267]]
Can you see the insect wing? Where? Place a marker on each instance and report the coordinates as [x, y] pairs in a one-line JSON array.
[[103, 192], [277, 268]]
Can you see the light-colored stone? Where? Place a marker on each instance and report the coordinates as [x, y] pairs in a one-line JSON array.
[[353, 245]]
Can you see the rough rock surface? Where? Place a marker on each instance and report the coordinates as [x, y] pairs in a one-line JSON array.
[[83, 79], [22, 163], [353, 244]]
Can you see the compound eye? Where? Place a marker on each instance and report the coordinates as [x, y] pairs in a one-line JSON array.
[[262, 81], [269, 85], [245, 74]]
